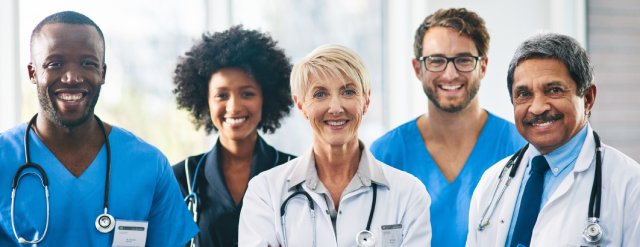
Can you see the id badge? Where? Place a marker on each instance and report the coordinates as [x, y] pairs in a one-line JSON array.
[[391, 235], [130, 233]]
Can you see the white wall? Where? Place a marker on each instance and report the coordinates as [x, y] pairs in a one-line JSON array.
[[9, 68]]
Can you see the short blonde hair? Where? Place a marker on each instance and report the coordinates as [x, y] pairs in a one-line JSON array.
[[329, 61]]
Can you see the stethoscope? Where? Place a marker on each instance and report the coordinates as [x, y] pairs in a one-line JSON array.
[[593, 232], [364, 238], [104, 222], [192, 199]]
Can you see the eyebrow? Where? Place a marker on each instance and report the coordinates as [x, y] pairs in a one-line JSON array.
[[456, 55]]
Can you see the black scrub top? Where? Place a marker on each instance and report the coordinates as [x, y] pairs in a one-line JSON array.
[[218, 215]]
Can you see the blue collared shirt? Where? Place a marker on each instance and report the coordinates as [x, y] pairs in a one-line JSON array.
[[561, 162]]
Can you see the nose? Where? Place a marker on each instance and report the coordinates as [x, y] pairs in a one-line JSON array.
[[335, 106], [539, 105], [450, 72], [233, 104], [72, 76]]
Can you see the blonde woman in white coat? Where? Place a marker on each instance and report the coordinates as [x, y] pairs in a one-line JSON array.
[[342, 196]]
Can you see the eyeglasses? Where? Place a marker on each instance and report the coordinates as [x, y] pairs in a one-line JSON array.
[[439, 63]]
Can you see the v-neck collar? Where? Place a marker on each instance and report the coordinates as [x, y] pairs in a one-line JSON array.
[[90, 181], [264, 158], [441, 179]]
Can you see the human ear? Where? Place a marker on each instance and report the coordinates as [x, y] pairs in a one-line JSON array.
[[31, 71], [589, 99]]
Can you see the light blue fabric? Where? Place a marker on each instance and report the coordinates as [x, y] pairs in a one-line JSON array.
[[404, 149], [561, 162], [142, 188]]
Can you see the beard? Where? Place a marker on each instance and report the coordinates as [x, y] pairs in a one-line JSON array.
[[52, 112], [471, 94]]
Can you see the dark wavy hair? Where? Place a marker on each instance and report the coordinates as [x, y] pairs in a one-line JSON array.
[[464, 21], [251, 51]]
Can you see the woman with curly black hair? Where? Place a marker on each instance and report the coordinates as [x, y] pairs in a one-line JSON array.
[[234, 82]]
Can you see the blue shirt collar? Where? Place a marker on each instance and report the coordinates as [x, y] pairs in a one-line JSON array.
[[567, 154]]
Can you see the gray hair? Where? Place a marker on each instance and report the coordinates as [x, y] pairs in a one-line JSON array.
[[555, 46]]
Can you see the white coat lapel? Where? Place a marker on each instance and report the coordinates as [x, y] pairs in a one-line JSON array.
[[584, 161], [509, 201]]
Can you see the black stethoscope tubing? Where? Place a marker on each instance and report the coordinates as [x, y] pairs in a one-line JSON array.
[[45, 180], [593, 232], [300, 191]]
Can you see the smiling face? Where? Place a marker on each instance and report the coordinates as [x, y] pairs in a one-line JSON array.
[[67, 65], [334, 108], [449, 90], [235, 104], [548, 112]]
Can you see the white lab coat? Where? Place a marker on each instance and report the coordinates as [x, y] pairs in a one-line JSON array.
[[563, 218], [403, 201]]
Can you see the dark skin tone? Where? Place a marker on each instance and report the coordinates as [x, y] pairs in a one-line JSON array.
[[67, 66]]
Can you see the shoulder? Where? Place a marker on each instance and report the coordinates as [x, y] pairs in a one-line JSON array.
[[13, 138], [128, 143], [284, 157], [401, 181], [396, 134], [396, 139], [620, 166], [178, 168]]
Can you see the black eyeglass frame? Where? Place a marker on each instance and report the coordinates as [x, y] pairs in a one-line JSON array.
[[423, 59]]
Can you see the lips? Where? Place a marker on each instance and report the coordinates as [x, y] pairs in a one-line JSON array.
[[235, 121], [543, 120], [450, 87]]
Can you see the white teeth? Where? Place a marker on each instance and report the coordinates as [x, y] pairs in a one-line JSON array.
[[70, 97], [235, 120], [543, 124], [451, 87], [336, 123]]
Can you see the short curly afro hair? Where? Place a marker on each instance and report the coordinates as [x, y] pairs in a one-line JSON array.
[[251, 51]]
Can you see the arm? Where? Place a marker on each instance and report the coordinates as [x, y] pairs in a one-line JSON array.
[[257, 227], [170, 223], [417, 220], [473, 216], [631, 224]]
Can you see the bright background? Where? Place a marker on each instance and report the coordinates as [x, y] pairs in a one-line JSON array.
[[144, 39]]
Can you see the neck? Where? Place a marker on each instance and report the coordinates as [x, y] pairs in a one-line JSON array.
[[337, 164], [64, 137], [451, 126], [238, 151]]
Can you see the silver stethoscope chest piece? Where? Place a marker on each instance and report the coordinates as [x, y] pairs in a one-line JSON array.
[[365, 239], [105, 223], [593, 232]]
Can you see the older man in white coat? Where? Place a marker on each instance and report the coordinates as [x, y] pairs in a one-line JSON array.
[[564, 188]]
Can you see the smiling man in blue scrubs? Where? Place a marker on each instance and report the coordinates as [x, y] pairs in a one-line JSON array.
[[92, 167], [450, 146]]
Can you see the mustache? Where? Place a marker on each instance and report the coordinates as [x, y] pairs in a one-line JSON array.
[[545, 117]]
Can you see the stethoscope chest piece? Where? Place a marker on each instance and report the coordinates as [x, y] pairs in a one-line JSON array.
[[105, 223], [593, 232], [365, 238]]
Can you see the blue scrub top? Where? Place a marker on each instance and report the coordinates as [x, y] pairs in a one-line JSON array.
[[403, 148], [142, 188]]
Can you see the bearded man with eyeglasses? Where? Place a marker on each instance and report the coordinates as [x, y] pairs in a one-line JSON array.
[[451, 145]]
